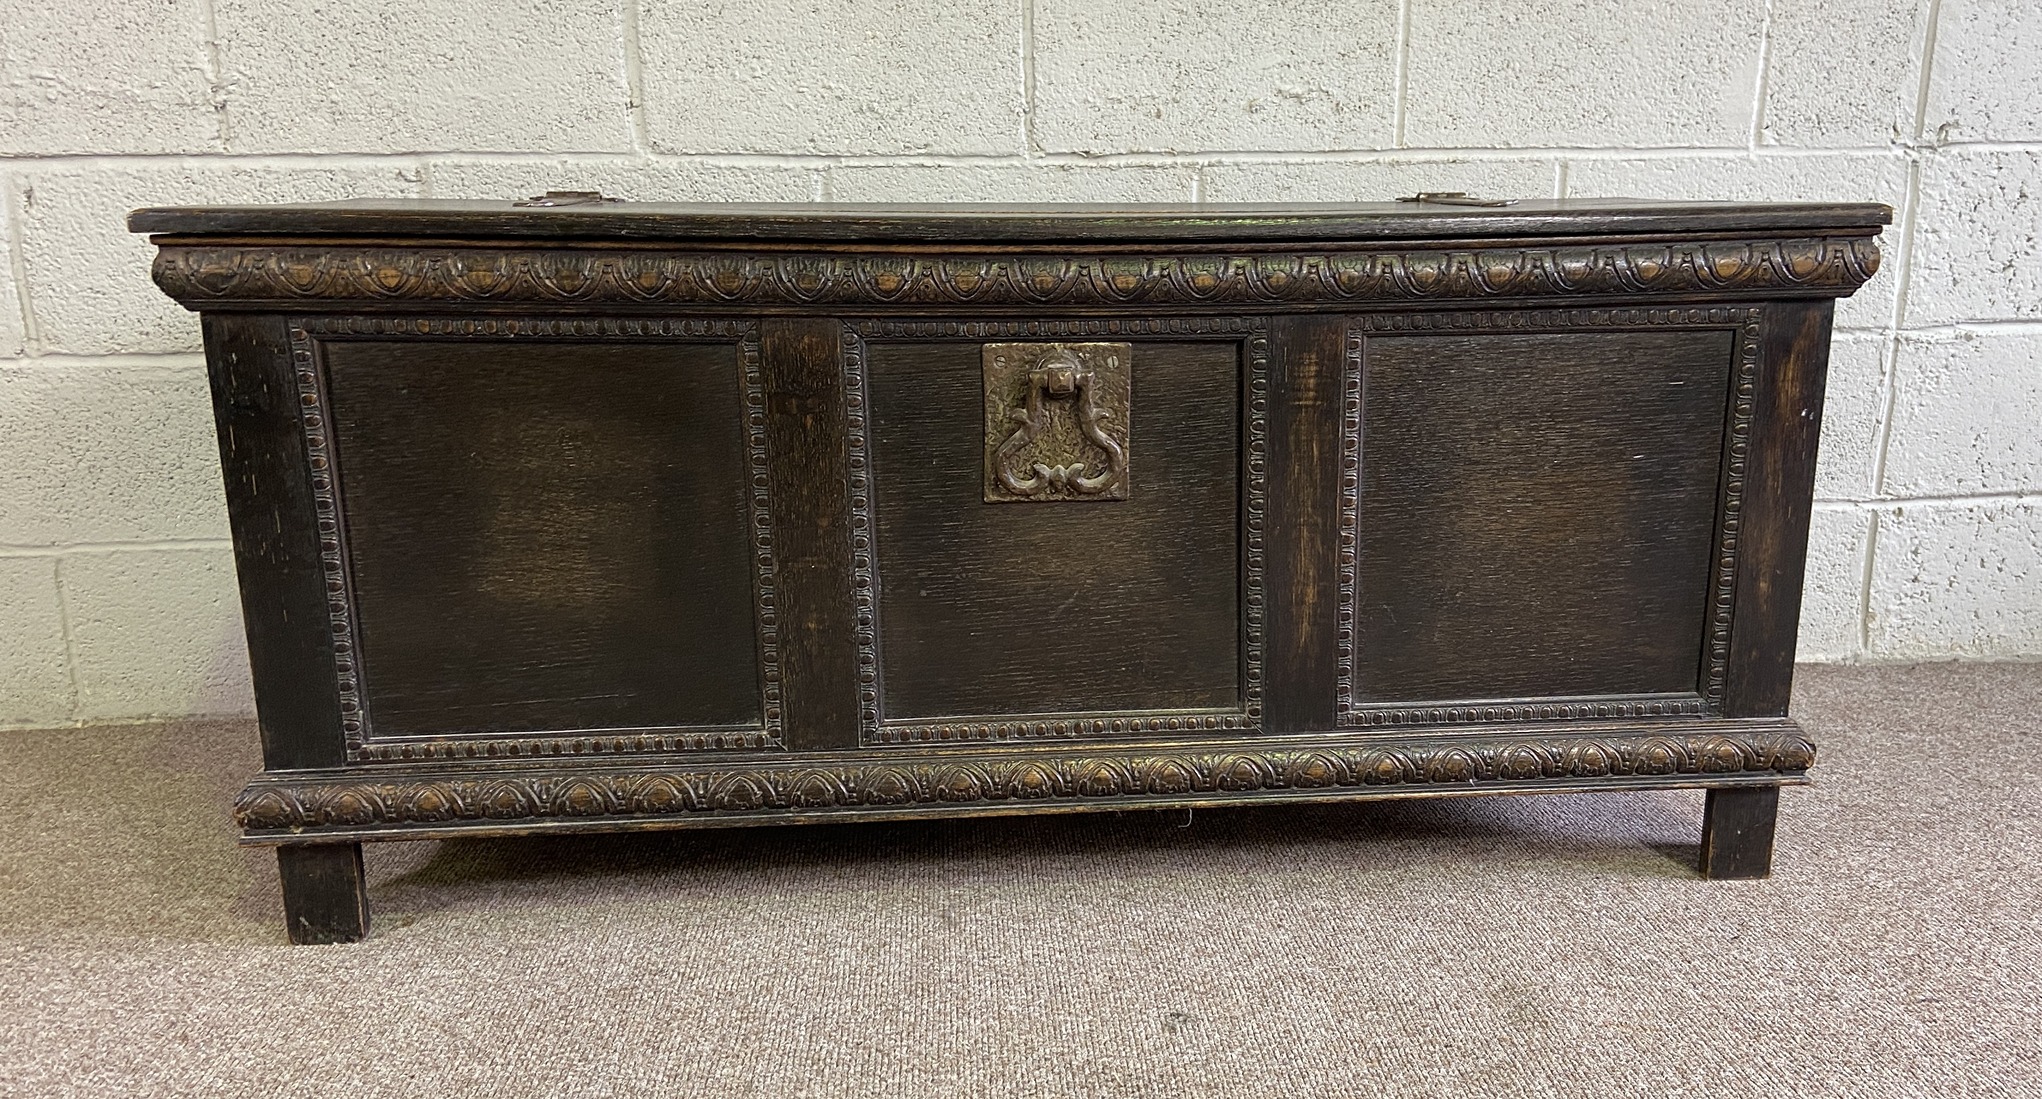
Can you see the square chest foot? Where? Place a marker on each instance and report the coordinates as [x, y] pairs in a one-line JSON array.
[[326, 897], [1737, 832]]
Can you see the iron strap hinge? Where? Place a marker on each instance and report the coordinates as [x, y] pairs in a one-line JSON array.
[[1455, 198], [567, 198]]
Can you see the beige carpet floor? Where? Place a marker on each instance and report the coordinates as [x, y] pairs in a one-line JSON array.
[[1531, 946]]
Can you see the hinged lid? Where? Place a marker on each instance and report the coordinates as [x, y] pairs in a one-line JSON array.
[[587, 216]]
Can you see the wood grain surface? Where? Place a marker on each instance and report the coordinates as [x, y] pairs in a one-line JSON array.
[[808, 434], [275, 523], [546, 535], [1537, 512], [1066, 606], [1308, 362], [994, 223], [1793, 371]]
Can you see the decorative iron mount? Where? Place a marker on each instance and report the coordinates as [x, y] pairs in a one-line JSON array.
[[1057, 421]]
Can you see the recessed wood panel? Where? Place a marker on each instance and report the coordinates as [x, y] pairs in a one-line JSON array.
[[1067, 606], [546, 536], [1537, 513]]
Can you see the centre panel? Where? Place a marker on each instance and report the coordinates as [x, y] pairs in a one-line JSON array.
[[1015, 601]]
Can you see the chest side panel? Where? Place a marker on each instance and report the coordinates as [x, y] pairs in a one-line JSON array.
[[1537, 514], [546, 536]]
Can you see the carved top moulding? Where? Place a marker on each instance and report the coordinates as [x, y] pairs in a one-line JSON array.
[[478, 254]]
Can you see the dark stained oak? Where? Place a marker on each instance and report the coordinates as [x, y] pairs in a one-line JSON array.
[[1737, 832], [994, 223], [326, 897], [548, 535], [808, 438], [1031, 608], [1536, 512], [1308, 365], [615, 517], [1773, 524], [275, 524]]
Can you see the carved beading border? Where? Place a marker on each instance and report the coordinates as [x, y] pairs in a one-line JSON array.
[[203, 275], [1346, 623], [312, 406], [357, 723], [1252, 332], [1746, 322], [285, 806], [864, 574], [1730, 509]]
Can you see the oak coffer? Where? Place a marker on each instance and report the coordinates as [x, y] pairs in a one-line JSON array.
[[569, 514]]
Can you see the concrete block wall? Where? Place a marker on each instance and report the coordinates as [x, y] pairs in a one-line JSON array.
[[116, 593]]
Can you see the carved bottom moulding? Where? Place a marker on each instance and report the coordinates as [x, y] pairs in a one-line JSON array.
[[407, 802], [582, 515]]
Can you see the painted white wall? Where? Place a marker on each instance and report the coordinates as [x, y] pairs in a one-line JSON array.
[[116, 593]]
